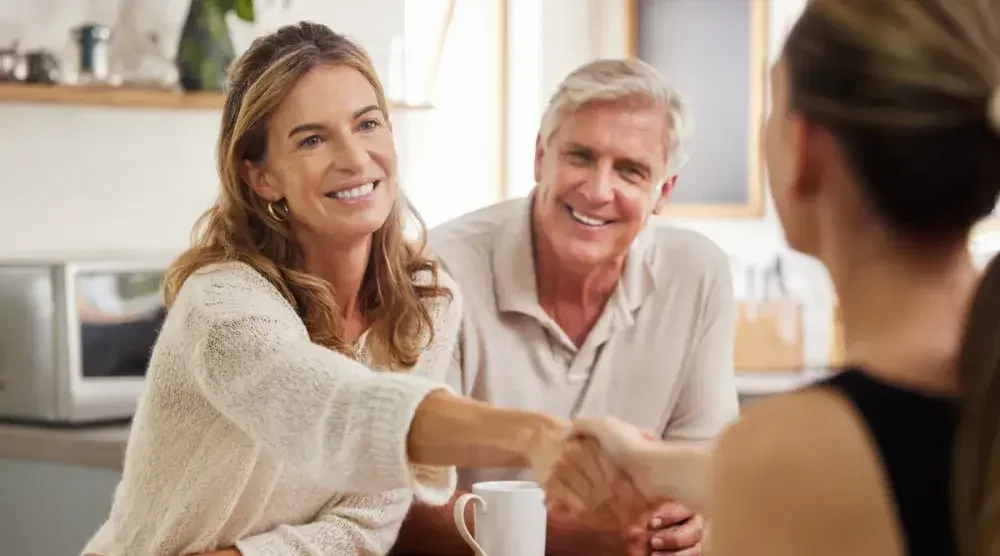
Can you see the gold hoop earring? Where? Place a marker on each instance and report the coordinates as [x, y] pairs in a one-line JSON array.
[[275, 214]]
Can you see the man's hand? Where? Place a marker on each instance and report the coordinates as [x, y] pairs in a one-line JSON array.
[[670, 530]]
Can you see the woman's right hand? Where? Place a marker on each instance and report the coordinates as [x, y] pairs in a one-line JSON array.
[[546, 446], [619, 440], [573, 473], [590, 485], [661, 471]]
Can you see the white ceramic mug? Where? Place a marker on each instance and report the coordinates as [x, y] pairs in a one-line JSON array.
[[509, 518]]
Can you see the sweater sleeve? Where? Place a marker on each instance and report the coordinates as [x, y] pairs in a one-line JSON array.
[[328, 415], [431, 484], [354, 525], [368, 524]]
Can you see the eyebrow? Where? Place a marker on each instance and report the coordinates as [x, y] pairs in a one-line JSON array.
[[306, 127], [572, 145], [365, 110], [638, 164], [319, 127]]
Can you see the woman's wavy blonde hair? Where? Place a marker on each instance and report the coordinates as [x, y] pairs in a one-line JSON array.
[[238, 227]]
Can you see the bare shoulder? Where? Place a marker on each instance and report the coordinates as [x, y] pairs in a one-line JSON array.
[[798, 474]]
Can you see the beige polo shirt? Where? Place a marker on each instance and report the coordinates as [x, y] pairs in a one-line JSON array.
[[659, 357]]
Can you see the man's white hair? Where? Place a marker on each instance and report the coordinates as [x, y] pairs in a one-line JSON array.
[[618, 79]]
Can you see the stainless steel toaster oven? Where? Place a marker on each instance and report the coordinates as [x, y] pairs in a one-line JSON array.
[[76, 337]]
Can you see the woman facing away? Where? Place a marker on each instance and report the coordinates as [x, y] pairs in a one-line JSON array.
[[883, 148], [295, 401]]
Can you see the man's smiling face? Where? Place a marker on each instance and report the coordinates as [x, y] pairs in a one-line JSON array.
[[599, 176]]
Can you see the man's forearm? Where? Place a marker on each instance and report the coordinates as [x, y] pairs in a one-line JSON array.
[[431, 531]]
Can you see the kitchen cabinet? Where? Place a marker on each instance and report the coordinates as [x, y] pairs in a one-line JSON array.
[[56, 486]]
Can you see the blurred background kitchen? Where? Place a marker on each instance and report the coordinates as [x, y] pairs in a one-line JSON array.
[[109, 111]]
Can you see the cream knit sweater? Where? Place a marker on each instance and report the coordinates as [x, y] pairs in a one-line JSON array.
[[250, 434]]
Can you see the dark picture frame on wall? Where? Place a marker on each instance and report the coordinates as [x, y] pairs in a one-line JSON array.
[[715, 53]]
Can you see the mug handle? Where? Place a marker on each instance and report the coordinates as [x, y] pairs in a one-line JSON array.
[[459, 516]]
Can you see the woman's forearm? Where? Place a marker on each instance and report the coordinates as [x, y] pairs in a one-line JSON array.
[[678, 473], [453, 430]]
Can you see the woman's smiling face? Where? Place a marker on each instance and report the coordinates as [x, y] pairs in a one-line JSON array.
[[330, 156]]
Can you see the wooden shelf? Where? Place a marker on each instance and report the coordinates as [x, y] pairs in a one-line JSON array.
[[124, 97]]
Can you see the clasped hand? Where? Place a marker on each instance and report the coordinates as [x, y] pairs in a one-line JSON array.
[[599, 474]]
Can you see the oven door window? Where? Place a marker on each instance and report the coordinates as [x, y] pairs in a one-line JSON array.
[[120, 315]]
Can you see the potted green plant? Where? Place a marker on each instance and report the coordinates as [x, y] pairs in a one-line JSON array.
[[206, 49]]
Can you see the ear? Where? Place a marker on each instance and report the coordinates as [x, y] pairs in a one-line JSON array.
[[539, 153], [661, 201], [811, 147], [258, 180]]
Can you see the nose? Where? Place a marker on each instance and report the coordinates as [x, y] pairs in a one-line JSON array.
[[350, 154], [598, 187]]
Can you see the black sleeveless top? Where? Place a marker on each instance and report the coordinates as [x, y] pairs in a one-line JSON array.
[[914, 433]]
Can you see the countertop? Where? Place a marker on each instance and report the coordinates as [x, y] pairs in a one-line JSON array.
[[92, 446], [767, 382]]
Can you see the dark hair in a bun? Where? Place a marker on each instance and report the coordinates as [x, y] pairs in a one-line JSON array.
[[905, 86]]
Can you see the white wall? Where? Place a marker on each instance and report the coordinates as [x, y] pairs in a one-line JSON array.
[[97, 179], [548, 40], [453, 155]]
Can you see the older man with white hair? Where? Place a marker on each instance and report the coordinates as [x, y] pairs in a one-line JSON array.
[[577, 306]]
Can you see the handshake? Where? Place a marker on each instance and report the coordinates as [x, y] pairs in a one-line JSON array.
[[608, 474]]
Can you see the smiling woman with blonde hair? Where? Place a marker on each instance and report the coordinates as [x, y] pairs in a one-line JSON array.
[[294, 401]]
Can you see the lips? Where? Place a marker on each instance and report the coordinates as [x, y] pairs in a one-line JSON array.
[[354, 192], [587, 220]]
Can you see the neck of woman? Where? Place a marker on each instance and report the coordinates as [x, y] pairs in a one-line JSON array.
[[904, 310], [343, 266]]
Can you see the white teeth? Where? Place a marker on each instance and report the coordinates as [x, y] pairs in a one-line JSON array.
[[359, 191], [586, 219]]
